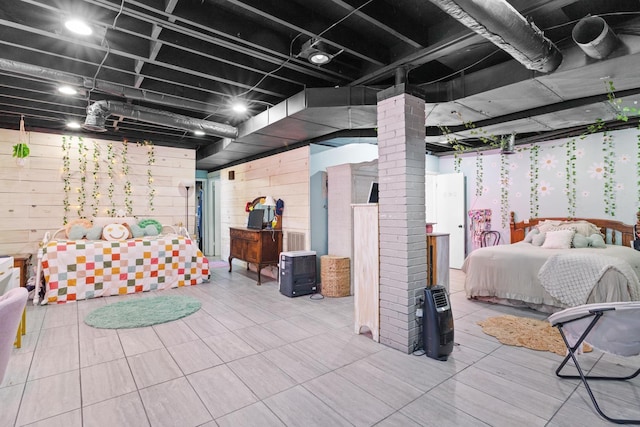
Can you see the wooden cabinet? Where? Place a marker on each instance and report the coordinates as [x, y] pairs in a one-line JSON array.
[[438, 259], [22, 262], [260, 247]]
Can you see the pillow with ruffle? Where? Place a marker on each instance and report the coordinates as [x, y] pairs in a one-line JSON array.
[[582, 227], [530, 235], [83, 222], [145, 222], [538, 239], [94, 233], [546, 225], [137, 231], [596, 241], [151, 230], [580, 241]]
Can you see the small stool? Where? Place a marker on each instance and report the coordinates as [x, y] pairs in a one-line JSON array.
[[335, 276]]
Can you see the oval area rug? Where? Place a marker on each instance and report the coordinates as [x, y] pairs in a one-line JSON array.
[[140, 312]]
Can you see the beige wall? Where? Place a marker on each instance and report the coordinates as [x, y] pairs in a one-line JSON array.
[[284, 176], [31, 197]]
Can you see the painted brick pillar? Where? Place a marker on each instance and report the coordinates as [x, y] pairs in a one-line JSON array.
[[403, 247]]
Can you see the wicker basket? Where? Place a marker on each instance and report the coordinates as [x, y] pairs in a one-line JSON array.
[[335, 276]]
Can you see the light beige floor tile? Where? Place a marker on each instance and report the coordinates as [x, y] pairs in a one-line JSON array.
[[104, 381], [68, 419], [17, 370], [261, 376], [474, 342], [484, 407], [430, 411], [331, 352], [256, 415], [259, 338], [194, 356], [353, 403], [139, 340], [60, 315], [122, 411], [100, 349], [298, 407], [174, 403], [204, 325], [519, 395], [397, 420], [233, 320], [310, 324], [286, 331], [10, 398], [60, 392], [578, 410], [383, 386], [174, 333], [66, 359], [228, 346], [153, 367], [296, 363], [62, 335], [221, 390], [257, 315]]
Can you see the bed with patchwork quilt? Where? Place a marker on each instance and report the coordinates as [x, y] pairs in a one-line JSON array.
[[82, 268]]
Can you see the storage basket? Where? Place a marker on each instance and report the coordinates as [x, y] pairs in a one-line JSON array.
[[335, 276]]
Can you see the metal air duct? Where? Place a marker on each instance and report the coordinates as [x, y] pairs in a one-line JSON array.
[[100, 110], [594, 37], [504, 26]]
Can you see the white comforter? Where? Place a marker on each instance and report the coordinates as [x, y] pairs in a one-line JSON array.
[[511, 272]]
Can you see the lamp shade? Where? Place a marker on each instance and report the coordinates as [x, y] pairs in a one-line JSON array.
[[269, 201]]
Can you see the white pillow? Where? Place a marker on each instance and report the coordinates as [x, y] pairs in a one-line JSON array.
[[560, 239]]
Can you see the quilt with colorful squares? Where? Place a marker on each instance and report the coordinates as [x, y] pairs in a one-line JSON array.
[[82, 269]]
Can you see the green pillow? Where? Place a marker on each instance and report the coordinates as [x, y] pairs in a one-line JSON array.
[[137, 231], [77, 232], [597, 241], [94, 233], [145, 222], [580, 241], [151, 230]]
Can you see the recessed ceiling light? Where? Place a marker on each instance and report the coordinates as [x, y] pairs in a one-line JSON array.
[[239, 107], [198, 133], [79, 27], [319, 58], [67, 90], [73, 125]]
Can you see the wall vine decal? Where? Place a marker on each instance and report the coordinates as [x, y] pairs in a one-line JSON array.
[[608, 148], [534, 152], [82, 167], [66, 177], [111, 160], [504, 190], [127, 183], [151, 160], [95, 193], [570, 178], [479, 174]]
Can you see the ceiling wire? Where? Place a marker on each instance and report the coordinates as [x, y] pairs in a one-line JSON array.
[[291, 48]]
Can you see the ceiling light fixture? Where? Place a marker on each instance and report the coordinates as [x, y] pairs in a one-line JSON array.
[[67, 90], [73, 125], [239, 107], [315, 51], [198, 132], [78, 26]]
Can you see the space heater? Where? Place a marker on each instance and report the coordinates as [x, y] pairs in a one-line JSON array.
[[297, 273], [437, 323]]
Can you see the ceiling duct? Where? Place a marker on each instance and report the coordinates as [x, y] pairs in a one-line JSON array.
[[100, 110], [594, 37], [504, 26]]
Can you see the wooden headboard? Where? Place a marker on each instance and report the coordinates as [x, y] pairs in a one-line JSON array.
[[616, 232]]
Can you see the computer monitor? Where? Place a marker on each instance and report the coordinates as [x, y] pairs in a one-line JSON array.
[[256, 218], [373, 193]]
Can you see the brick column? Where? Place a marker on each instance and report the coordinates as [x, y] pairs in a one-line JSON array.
[[403, 248]]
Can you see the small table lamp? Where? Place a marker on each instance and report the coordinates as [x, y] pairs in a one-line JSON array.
[[269, 203]]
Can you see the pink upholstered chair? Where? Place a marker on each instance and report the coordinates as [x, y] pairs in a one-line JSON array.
[[12, 304]]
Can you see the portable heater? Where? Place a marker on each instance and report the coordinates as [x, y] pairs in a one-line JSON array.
[[437, 323]]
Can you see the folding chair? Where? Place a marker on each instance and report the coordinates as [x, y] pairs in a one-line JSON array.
[[610, 327]]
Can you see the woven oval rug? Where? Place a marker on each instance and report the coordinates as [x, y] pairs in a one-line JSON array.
[[140, 312], [526, 332]]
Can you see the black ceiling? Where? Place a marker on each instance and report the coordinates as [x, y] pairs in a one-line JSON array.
[[193, 57]]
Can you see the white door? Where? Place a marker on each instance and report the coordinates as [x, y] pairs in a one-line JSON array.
[[451, 214]]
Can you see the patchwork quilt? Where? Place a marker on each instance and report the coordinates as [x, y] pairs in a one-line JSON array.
[[82, 269]]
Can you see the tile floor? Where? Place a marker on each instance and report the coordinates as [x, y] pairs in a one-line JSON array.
[[252, 357]]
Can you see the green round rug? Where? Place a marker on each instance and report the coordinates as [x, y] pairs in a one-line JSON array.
[[140, 312]]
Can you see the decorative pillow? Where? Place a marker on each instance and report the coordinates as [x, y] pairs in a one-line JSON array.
[[545, 225], [582, 227], [94, 233], [103, 221], [530, 235], [580, 241], [113, 232], [538, 239], [136, 230], [143, 224], [560, 239], [77, 232], [151, 230], [596, 241], [85, 223]]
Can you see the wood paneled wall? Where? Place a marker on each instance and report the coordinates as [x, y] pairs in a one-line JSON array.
[[283, 176], [31, 197]]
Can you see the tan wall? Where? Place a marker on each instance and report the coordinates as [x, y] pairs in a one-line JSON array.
[[31, 197], [284, 176]]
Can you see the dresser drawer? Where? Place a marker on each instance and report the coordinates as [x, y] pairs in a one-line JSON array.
[[251, 236], [6, 266]]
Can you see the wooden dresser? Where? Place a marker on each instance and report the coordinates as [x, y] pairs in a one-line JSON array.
[[260, 247]]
